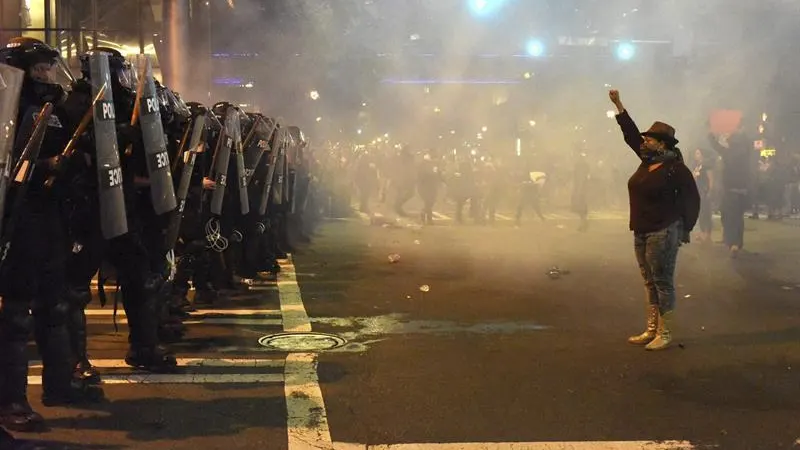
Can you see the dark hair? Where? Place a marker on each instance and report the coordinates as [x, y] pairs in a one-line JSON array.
[[677, 152]]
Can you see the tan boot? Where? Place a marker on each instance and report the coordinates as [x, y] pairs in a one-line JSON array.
[[663, 339], [652, 328]]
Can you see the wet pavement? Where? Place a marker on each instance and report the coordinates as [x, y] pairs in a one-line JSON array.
[[468, 339]]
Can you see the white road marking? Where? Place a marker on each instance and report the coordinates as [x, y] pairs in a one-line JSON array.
[[254, 378], [441, 216], [295, 318], [597, 445], [249, 322], [188, 362], [209, 321], [198, 313], [264, 287], [502, 217], [307, 420]]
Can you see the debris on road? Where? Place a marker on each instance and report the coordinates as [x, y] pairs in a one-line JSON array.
[[555, 273]]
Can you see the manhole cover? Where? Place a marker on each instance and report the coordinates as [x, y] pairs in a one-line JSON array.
[[301, 342]]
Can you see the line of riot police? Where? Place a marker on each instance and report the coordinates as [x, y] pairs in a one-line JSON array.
[[113, 176]]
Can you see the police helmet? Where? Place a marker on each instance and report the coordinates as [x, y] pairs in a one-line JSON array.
[[119, 67]]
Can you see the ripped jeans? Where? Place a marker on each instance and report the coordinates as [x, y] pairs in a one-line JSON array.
[[657, 255]]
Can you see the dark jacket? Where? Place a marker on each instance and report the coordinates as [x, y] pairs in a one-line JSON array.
[[660, 197]]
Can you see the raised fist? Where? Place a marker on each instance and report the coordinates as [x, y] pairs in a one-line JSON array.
[[614, 96]]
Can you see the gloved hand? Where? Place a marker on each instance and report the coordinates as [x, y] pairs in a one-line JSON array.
[[129, 135]]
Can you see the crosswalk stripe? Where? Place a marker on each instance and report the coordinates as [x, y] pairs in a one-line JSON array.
[[211, 321], [198, 313], [250, 322], [252, 378], [187, 362], [588, 445]]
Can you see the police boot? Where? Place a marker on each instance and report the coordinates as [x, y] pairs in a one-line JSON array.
[[16, 413], [76, 326], [151, 358], [145, 353], [171, 328], [205, 297], [59, 388], [5, 437], [267, 277]]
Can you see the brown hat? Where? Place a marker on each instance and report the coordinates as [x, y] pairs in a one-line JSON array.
[[662, 132]]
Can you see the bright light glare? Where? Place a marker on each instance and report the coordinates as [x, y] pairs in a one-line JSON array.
[[314, 95], [485, 7], [535, 48], [610, 114], [626, 51]]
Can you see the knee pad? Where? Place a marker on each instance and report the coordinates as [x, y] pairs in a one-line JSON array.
[[78, 297], [52, 314], [186, 260], [16, 324], [194, 247], [153, 284]]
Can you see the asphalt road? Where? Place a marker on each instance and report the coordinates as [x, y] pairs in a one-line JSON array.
[[495, 350], [498, 351]]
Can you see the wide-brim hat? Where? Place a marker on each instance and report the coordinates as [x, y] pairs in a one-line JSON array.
[[662, 132]]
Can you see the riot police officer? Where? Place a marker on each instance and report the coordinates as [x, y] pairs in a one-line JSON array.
[[127, 253], [32, 276]]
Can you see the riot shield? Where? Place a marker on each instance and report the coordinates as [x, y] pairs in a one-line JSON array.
[[269, 180], [279, 180], [196, 141], [23, 170], [222, 160], [241, 173], [10, 87], [257, 145], [113, 220], [162, 191]]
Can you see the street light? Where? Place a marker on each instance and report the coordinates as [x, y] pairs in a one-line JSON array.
[[532, 123], [485, 129]]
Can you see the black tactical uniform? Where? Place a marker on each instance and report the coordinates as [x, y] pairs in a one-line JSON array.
[[193, 255], [32, 275], [140, 286]]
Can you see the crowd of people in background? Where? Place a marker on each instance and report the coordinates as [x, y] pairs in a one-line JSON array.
[[732, 177]]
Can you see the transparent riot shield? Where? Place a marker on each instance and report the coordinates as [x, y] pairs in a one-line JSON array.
[[10, 87]]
